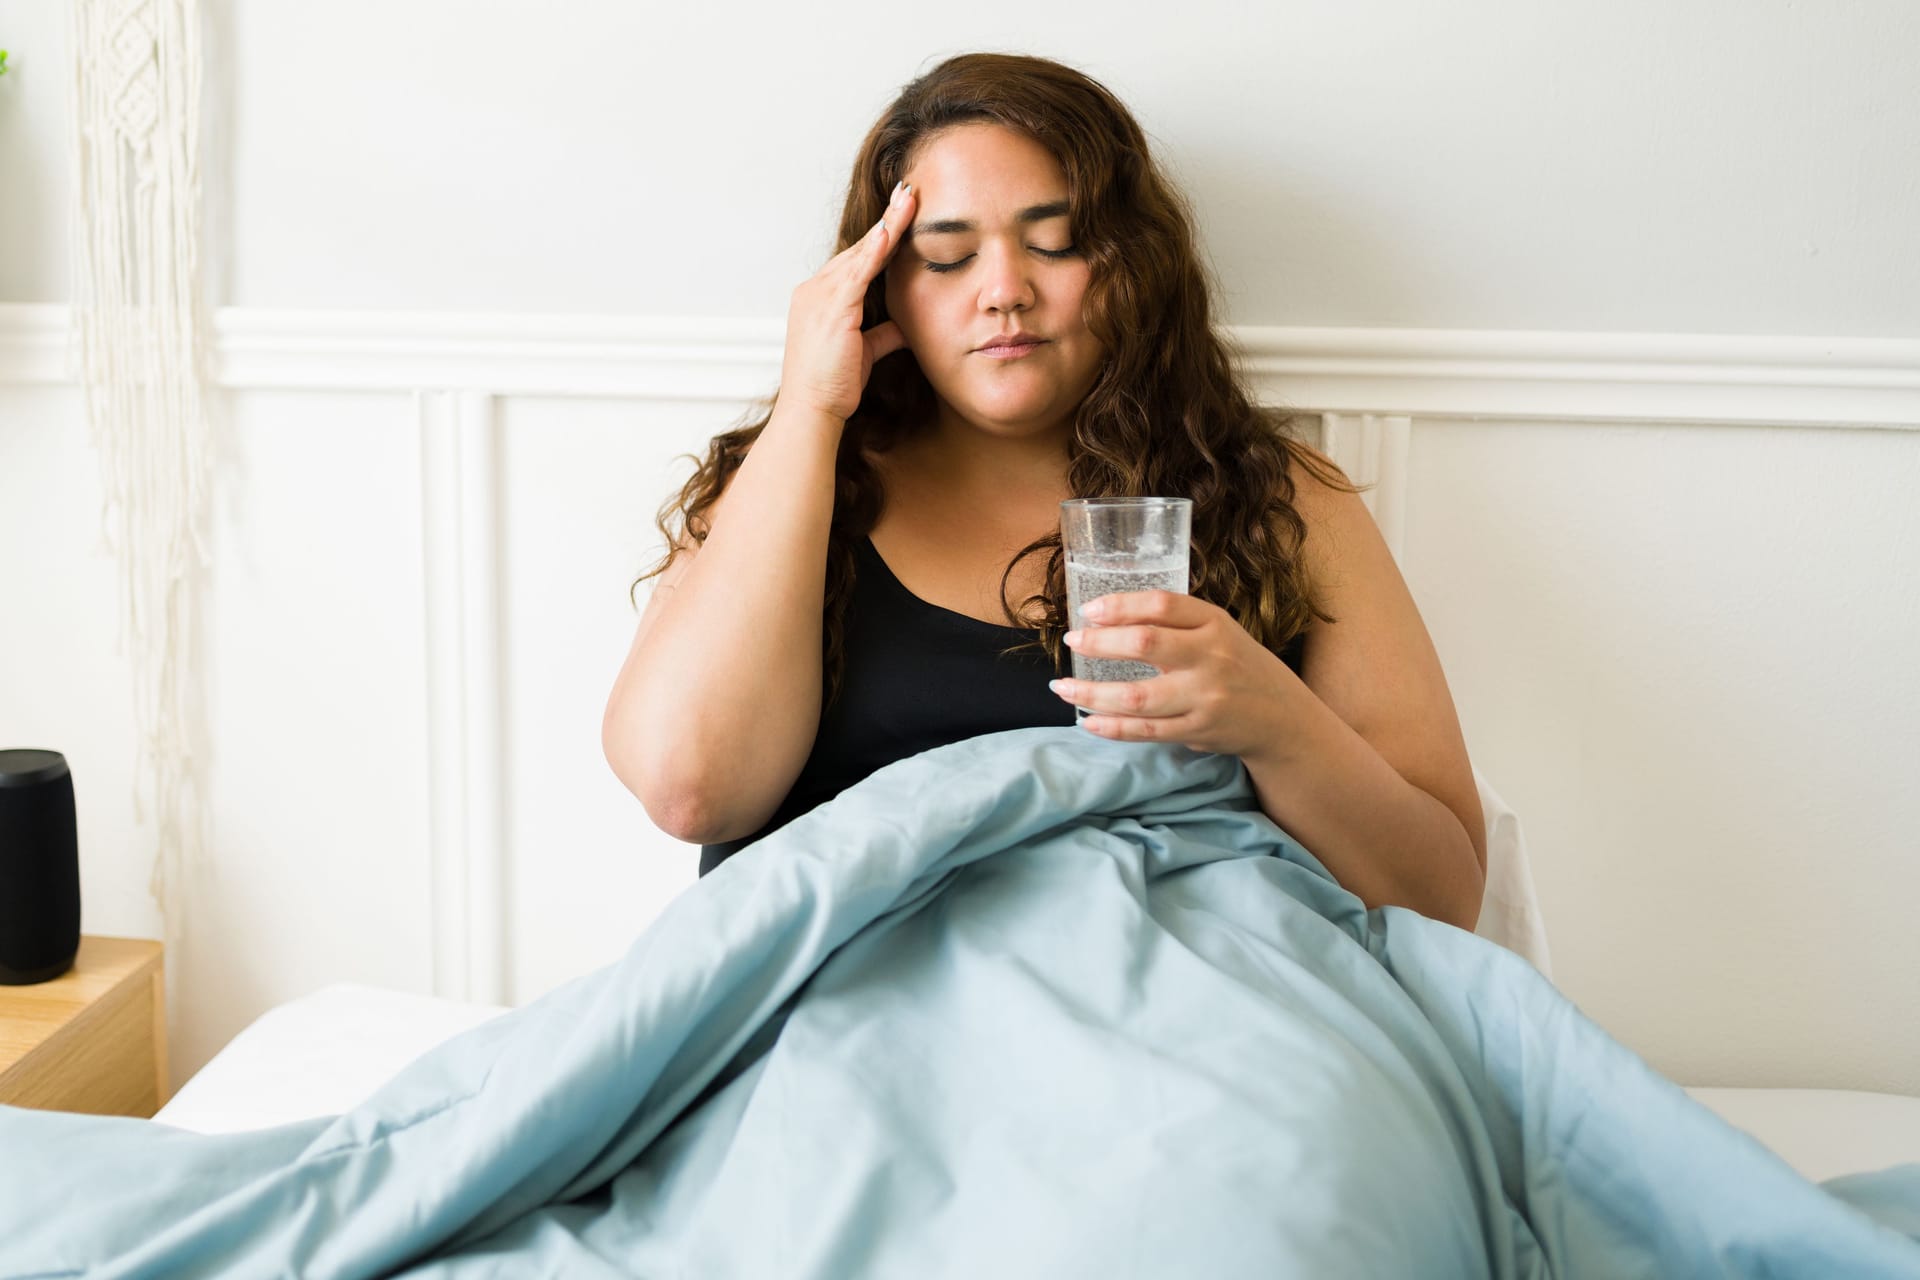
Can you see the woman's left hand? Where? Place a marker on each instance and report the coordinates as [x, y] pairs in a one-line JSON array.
[[1218, 689]]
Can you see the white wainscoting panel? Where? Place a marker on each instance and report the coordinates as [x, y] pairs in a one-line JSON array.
[[1686, 658], [1671, 580], [1670, 378], [319, 865], [581, 480], [460, 535], [1372, 449]]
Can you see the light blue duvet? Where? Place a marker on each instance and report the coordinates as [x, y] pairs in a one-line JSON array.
[[1035, 1004]]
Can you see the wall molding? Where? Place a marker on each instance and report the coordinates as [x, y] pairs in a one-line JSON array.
[[460, 539], [1372, 449], [1675, 379]]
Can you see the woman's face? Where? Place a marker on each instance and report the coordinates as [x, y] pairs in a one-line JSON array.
[[989, 255]]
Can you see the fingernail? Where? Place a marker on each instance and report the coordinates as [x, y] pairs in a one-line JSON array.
[[1071, 638], [898, 187], [1058, 686], [1093, 609]]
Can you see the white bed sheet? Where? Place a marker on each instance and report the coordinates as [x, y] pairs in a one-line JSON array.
[[319, 1055], [326, 1052]]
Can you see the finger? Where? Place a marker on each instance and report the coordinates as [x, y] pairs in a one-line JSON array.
[[883, 340], [1138, 728], [855, 248], [1155, 697], [867, 258], [855, 253], [1159, 608], [895, 219], [1158, 646]]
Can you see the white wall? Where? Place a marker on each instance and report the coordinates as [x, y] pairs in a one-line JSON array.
[[1681, 652], [1685, 657], [1719, 166]]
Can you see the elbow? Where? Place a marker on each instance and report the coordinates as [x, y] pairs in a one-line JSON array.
[[1449, 887], [1473, 876], [1466, 893], [1466, 912], [1456, 882], [682, 810], [678, 800], [684, 816], [1455, 906]]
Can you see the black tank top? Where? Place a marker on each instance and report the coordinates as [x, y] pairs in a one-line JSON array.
[[917, 676]]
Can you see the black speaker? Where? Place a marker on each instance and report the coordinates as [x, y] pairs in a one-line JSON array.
[[39, 868]]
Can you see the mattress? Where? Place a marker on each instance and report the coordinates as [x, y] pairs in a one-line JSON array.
[[326, 1052]]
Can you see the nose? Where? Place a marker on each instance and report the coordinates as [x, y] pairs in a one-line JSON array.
[[1006, 282]]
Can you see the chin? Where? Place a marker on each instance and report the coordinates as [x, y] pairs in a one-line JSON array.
[[1011, 428], [1008, 414]]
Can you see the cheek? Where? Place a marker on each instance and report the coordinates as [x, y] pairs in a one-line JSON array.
[[926, 319], [1075, 299]]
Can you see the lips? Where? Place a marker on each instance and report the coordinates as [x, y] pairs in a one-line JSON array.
[[1011, 342]]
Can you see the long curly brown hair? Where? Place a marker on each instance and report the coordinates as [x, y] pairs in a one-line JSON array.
[[1169, 414]]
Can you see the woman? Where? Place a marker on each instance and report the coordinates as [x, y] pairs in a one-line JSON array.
[[1018, 315]]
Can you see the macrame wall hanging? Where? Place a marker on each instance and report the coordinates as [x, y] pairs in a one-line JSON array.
[[136, 329]]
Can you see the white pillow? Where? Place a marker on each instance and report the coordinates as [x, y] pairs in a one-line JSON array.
[[1509, 913]]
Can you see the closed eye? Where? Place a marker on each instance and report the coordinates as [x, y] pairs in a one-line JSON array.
[[1045, 253]]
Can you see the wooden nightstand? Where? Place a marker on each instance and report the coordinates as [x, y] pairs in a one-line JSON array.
[[93, 1039]]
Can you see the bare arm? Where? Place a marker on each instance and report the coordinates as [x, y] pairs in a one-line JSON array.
[[716, 707], [1372, 773], [1359, 757]]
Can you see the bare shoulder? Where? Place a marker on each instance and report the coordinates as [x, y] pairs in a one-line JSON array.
[[1334, 517], [1375, 665]]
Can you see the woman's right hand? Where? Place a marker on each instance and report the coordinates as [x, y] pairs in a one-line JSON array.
[[828, 358]]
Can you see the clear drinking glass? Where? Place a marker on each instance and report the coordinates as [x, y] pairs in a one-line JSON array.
[[1121, 544]]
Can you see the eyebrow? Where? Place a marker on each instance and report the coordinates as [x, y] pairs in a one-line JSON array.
[[948, 226]]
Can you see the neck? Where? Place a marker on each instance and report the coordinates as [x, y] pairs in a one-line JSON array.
[[968, 459]]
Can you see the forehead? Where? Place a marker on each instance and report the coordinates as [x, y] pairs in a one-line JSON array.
[[983, 173]]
